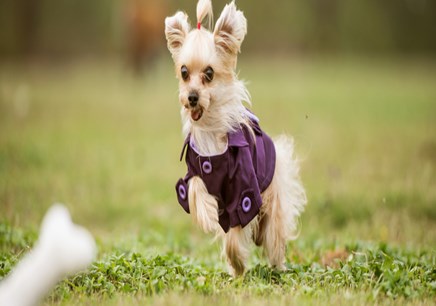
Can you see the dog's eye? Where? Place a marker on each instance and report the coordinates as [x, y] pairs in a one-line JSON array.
[[184, 72], [208, 74]]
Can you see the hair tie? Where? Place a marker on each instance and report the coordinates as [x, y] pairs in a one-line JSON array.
[[199, 25]]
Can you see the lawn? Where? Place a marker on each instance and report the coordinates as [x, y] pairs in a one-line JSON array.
[[91, 135]]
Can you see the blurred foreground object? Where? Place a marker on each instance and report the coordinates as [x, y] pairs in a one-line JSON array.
[[63, 248]]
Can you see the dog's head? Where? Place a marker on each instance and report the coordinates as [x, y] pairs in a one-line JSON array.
[[205, 61]]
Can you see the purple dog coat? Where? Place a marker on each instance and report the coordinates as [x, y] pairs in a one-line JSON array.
[[236, 178]]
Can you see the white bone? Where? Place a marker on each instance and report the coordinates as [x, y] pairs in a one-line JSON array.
[[63, 248]]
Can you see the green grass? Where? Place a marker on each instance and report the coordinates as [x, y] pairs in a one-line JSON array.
[[90, 135]]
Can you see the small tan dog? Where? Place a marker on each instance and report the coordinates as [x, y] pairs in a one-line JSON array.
[[238, 178]]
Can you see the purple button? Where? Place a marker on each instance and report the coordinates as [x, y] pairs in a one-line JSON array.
[[182, 192], [246, 204], [207, 167]]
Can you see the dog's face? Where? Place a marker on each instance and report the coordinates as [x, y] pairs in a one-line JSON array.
[[205, 62]]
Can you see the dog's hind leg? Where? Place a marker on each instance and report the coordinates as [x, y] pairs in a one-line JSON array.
[[271, 233]]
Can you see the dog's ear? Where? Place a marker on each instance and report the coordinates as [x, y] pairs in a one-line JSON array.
[[230, 30], [176, 30]]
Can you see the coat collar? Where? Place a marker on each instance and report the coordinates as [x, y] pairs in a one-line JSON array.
[[236, 138], [185, 144]]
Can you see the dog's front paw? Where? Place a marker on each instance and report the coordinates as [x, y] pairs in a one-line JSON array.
[[202, 206]]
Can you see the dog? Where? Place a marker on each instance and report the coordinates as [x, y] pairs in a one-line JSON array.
[[240, 184]]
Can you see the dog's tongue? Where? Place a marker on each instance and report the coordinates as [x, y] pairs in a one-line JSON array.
[[196, 114]]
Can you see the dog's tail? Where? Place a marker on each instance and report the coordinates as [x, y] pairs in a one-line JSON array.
[[290, 190], [204, 9]]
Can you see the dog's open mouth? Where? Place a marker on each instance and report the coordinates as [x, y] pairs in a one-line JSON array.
[[196, 113]]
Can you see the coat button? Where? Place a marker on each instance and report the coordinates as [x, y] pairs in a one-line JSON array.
[[207, 167], [182, 192], [246, 204]]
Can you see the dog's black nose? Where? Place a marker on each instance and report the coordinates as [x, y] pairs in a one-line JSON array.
[[193, 98]]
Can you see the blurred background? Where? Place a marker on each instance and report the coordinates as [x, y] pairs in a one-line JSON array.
[[132, 29], [89, 115]]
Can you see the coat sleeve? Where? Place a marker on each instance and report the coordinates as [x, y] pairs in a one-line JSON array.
[[182, 193], [182, 183]]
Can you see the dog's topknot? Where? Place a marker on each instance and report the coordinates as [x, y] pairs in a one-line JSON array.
[[204, 9]]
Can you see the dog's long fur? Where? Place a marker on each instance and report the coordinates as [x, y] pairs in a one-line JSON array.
[[220, 110]]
